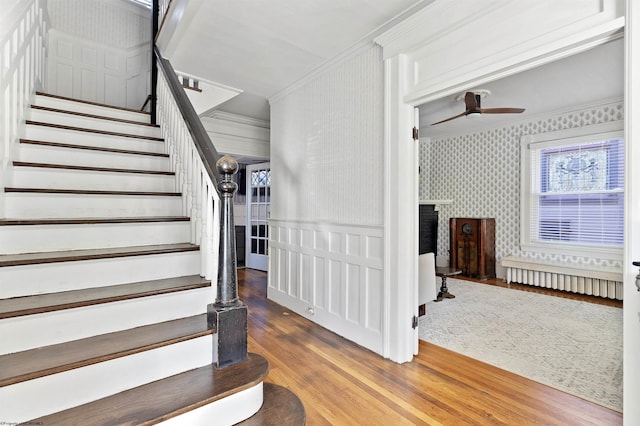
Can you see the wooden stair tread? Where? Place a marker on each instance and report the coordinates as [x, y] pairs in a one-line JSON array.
[[39, 303], [34, 363], [90, 168], [93, 221], [166, 398], [92, 254], [280, 407], [88, 130], [91, 103], [93, 116], [90, 192], [92, 148]]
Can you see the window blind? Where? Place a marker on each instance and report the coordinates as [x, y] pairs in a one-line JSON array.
[[577, 193]]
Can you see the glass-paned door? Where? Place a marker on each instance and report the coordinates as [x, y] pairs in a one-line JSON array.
[[258, 211]]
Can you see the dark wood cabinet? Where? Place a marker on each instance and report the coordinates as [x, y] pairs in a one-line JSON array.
[[473, 246]]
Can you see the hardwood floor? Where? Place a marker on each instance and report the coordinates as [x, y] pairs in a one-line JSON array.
[[341, 383]]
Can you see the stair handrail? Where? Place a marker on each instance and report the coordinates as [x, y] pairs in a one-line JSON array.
[[208, 153], [227, 316]]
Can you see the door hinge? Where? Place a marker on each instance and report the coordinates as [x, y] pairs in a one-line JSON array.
[[414, 322], [416, 134]]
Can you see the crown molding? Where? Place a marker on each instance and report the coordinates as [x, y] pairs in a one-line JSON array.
[[330, 64], [238, 119], [367, 42], [421, 27]]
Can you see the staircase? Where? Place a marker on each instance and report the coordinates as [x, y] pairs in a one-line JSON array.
[[102, 306]]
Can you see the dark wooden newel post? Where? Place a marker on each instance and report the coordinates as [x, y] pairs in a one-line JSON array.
[[227, 317]]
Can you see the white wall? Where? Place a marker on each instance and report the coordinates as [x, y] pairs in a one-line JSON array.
[[237, 135], [327, 201], [327, 145], [99, 51], [115, 23]]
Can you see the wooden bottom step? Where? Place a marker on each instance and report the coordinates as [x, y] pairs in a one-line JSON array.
[[167, 398], [281, 407]]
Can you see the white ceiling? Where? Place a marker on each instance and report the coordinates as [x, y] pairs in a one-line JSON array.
[[263, 46], [592, 76]]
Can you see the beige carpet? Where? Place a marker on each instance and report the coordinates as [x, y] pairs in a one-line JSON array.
[[570, 345]]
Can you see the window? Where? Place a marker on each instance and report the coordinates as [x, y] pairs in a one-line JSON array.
[[573, 192]]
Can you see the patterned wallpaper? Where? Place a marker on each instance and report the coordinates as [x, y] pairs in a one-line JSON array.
[[327, 145], [480, 172], [129, 26]]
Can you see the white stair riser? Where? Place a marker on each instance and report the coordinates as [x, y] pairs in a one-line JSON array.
[[227, 411], [91, 123], [37, 177], [39, 206], [74, 137], [48, 101], [39, 238], [53, 277], [82, 157], [35, 398], [50, 328]]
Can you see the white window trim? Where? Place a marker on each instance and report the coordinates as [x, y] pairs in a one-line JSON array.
[[602, 131]]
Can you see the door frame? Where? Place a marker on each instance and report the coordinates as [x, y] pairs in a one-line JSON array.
[[413, 78]]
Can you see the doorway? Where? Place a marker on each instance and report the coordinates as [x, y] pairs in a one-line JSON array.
[[258, 212]]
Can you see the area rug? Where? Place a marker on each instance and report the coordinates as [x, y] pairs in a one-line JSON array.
[[570, 345]]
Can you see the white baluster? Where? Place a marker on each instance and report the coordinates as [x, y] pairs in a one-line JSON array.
[[22, 70], [206, 211]]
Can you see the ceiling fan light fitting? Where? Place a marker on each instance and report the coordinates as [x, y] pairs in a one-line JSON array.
[[473, 108], [482, 92]]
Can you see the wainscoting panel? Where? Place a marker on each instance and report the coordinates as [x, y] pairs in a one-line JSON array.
[[331, 274], [373, 292], [319, 274], [352, 301], [334, 286], [95, 72], [63, 79]]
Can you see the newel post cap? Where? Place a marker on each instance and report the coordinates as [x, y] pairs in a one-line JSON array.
[[227, 165]]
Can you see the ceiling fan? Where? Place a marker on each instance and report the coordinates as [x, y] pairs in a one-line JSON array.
[[473, 109]]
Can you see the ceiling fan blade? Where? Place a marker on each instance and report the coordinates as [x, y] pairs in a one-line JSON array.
[[470, 101], [450, 118], [501, 110]]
